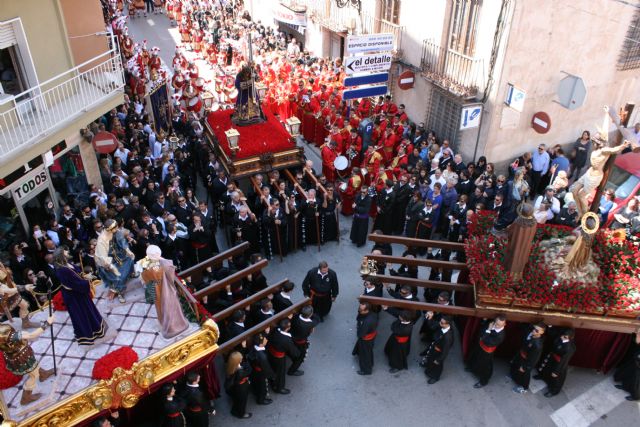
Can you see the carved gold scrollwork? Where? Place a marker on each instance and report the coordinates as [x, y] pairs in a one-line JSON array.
[[101, 397]]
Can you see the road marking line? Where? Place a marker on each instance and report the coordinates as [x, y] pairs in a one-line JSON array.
[[587, 408]]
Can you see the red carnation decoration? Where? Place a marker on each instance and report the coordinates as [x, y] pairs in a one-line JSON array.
[[7, 379], [124, 357], [58, 302]]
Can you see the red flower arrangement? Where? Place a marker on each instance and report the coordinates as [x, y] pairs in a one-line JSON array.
[[124, 357], [617, 290], [58, 302], [7, 379]]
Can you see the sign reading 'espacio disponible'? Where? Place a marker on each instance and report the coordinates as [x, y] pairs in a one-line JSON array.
[[370, 43]]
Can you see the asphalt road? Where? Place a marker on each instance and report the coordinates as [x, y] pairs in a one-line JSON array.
[[331, 393]]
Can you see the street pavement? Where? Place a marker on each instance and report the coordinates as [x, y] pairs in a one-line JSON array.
[[331, 393]]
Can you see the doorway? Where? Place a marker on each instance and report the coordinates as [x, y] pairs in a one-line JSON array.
[[336, 46]]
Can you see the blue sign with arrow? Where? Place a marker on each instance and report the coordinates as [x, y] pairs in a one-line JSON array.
[[366, 80], [364, 92]]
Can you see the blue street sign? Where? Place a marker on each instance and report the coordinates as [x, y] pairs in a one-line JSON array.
[[366, 80], [364, 92]]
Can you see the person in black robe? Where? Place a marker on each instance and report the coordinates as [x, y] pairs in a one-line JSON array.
[[398, 345], [321, 285], [328, 219], [237, 384], [88, 324], [235, 327], [263, 311], [412, 214], [628, 373], [385, 201], [431, 322], [366, 331], [172, 408], [261, 371], [302, 326], [553, 369], [196, 411], [424, 225], [274, 223], [310, 219], [481, 360], [294, 232], [282, 300], [245, 225], [360, 224], [438, 350], [280, 346], [373, 288], [404, 194], [527, 358]]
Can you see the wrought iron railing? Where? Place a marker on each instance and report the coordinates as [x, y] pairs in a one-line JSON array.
[[39, 111], [460, 74]]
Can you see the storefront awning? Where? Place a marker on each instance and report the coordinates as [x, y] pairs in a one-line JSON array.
[[283, 14]]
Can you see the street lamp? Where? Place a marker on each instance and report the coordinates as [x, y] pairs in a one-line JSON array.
[[261, 88], [207, 98]]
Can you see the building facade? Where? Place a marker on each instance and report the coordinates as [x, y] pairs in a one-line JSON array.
[[469, 53], [59, 71]]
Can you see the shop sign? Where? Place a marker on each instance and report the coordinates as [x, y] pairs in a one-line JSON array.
[[31, 185]]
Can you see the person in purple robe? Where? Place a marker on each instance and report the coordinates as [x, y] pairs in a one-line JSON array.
[[88, 324]]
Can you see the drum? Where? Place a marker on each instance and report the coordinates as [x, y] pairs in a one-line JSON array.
[[341, 163], [215, 106], [194, 104]]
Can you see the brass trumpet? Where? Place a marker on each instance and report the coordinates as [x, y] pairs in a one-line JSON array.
[[368, 267]]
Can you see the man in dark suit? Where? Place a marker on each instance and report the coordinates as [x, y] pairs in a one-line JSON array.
[[302, 326], [527, 358], [321, 285]]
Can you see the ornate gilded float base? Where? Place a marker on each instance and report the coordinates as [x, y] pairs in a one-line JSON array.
[[125, 387]]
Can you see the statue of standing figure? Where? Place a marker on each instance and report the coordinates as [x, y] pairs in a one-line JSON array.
[[114, 259]]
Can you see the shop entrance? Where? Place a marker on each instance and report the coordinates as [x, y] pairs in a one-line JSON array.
[[34, 197]]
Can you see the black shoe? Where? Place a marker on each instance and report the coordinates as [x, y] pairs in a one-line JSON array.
[[363, 373], [266, 402], [537, 377], [478, 385], [630, 398], [297, 373], [549, 394], [618, 386], [282, 391], [432, 381], [393, 370]]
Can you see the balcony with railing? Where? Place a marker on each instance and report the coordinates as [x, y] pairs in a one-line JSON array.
[[461, 75], [28, 117]]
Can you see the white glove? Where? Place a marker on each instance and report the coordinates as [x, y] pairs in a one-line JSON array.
[[29, 288]]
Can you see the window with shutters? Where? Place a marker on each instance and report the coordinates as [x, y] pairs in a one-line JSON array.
[[12, 81], [629, 58], [391, 11], [443, 115], [464, 26]]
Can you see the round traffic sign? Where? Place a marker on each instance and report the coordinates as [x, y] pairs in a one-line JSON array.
[[541, 122], [105, 142], [406, 80]]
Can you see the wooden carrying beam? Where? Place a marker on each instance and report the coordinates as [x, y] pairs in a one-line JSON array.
[[195, 272], [221, 315], [408, 241], [313, 178], [420, 262], [582, 321], [436, 284], [231, 279], [297, 186], [233, 342]]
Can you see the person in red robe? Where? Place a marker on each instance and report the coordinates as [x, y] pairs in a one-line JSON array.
[[398, 161], [351, 191], [364, 109], [371, 163], [328, 153], [389, 143]]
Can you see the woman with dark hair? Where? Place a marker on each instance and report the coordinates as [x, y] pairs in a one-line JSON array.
[[481, 164], [172, 407], [237, 384], [580, 154]]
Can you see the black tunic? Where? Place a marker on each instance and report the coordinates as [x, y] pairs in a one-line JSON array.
[[310, 222], [321, 289], [280, 302], [360, 224], [556, 363], [481, 360], [280, 345], [172, 413], [526, 359], [238, 387], [300, 331], [197, 407], [438, 352], [274, 236], [385, 219], [261, 372], [398, 345], [403, 197], [366, 331], [248, 231], [412, 215], [328, 222]]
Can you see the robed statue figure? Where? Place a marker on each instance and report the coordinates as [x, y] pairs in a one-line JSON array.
[[248, 110]]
